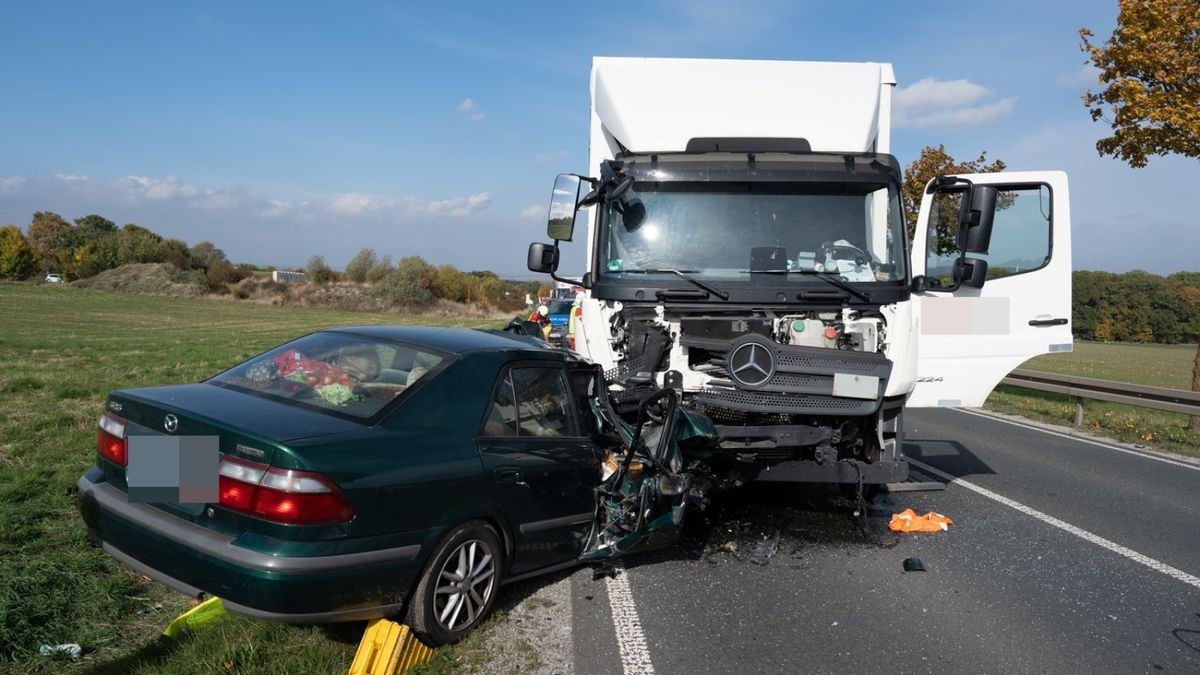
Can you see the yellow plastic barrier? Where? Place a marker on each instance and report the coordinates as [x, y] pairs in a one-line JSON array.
[[196, 618], [388, 648]]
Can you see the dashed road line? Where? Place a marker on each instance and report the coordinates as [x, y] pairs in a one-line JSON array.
[[1051, 520], [631, 640], [1083, 439]]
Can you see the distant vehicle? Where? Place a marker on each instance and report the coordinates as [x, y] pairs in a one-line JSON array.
[[53, 278], [560, 316], [368, 472]]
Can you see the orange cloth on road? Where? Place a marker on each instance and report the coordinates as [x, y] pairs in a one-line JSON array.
[[908, 521]]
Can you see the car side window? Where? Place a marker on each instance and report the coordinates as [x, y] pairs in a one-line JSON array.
[[543, 403], [502, 418]]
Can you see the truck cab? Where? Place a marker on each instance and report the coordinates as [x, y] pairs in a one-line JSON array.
[[747, 247]]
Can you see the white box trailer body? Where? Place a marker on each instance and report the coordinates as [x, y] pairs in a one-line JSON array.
[[714, 259]]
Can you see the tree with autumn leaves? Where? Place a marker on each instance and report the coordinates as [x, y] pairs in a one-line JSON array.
[[1150, 88]]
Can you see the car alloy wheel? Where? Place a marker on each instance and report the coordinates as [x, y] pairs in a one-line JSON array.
[[458, 585], [464, 586]]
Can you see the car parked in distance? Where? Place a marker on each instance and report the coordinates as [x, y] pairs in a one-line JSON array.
[[390, 471], [53, 278]]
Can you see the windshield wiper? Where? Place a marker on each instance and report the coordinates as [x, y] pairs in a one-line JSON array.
[[824, 276], [683, 274]]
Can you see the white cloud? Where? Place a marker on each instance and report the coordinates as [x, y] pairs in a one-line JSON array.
[[276, 208], [1086, 76], [533, 212], [469, 109], [71, 177], [460, 206], [12, 183], [362, 203], [549, 157], [931, 102], [156, 188]]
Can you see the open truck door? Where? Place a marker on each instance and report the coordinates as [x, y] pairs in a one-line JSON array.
[[991, 258]]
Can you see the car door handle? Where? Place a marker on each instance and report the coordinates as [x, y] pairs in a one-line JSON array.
[[1047, 322], [509, 474]]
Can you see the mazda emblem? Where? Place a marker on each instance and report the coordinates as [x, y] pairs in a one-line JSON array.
[[751, 364], [170, 423]]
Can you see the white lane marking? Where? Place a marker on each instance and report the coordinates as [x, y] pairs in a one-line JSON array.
[[1079, 532], [631, 641], [1082, 439]]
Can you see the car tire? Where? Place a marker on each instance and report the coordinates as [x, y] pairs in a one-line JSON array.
[[442, 610]]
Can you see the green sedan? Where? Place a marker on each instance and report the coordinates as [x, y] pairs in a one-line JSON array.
[[383, 471]]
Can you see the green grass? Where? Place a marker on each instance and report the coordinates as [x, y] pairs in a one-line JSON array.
[[61, 351], [1156, 365]]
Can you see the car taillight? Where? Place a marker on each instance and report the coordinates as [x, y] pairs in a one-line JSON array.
[[281, 495], [111, 442]]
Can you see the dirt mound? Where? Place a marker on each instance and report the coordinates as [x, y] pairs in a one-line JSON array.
[[146, 278]]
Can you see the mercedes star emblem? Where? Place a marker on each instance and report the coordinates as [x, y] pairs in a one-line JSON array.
[[170, 423], [751, 364]]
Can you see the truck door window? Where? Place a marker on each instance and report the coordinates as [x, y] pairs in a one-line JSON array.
[[1020, 234]]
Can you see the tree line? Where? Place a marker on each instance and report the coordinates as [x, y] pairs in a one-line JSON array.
[[1136, 306], [93, 244], [413, 281]]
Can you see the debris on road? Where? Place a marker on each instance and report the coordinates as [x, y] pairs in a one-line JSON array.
[[70, 649], [196, 618], [908, 521], [913, 565]]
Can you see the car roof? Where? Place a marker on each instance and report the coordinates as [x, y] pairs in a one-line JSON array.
[[451, 340]]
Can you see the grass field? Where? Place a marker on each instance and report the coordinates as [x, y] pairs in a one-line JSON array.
[[61, 351], [1156, 365]]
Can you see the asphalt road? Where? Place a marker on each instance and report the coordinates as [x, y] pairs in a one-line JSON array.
[[1090, 565]]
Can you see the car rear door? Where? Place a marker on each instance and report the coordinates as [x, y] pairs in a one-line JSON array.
[[541, 469], [970, 338]]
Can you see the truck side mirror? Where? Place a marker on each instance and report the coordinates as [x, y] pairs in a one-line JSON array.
[[542, 258], [975, 219], [564, 203], [970, 272]]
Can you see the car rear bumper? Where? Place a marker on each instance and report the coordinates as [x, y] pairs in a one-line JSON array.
[[293, 589]]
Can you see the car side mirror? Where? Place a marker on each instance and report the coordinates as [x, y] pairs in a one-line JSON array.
[[564, 203], [920, 284], [542, 258], [976, 217], [970, 272]]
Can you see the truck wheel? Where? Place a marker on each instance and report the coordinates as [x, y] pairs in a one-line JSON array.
[[459, 585]]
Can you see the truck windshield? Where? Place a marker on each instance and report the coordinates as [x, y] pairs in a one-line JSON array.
[[729, 230]]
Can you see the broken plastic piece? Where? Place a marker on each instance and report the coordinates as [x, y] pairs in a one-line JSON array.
[[913, 565], [195, 618], [908, 521], [72, 650]]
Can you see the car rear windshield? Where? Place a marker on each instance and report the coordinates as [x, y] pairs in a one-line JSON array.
[[342, 373]]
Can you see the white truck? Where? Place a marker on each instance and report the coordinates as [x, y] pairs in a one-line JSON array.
[[747, 247]]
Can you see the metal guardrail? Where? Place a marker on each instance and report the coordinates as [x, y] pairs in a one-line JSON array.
[[1158, 398]]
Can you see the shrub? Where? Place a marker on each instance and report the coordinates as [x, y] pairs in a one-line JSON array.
[[17, 258], [319, 272], [380, 269], [360, 265], [406, 285]]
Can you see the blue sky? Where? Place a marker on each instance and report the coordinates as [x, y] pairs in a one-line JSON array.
[[280, 130]]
